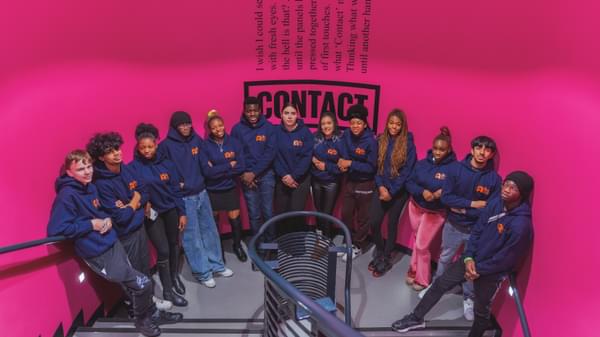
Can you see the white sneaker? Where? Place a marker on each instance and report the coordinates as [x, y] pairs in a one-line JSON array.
[[355, 253], [468, 309], [162, 304], [424, 291], [225, 273], [210, 283]]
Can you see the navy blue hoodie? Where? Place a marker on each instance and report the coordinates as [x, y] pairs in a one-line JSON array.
[[120, 186], [161, 179], [187, 154], [500, 239], [221, 176], [294, 151], [464, 184], [362, 150], [428, 175], [73, 209], [397, 183], [327, 150], [259, 144]]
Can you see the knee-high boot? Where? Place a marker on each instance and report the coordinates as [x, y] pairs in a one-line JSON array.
[[236, 231], [165, 279]]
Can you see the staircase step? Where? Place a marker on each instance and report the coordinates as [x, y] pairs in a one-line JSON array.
[[167, 332], [430, 331], [228, 323]]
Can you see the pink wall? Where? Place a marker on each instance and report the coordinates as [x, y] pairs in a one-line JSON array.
[[523, 73]]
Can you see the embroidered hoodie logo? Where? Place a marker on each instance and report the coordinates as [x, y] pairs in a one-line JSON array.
[[229, 154], [482, 190], [164, 176], [332, 152], [360, 152], [298, 143], [133, 185], [194, 150], [500, 228], [261, 138], [440, 176], [96, 203]]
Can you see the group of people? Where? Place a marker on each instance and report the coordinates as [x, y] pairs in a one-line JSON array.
[[182, 183]]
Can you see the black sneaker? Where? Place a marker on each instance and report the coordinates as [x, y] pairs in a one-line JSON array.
[[160, 317], [147, 327], [407, 323]]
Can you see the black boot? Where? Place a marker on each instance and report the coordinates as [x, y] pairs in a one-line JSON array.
[[178, 285], [165, 279], [236, 231], [160, 317], [146, 326]]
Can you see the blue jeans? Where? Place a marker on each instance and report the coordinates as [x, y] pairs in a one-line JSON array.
[[259, 201], [452, 240], [201, 240]]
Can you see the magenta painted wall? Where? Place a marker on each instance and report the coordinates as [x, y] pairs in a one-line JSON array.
[[526, 74]]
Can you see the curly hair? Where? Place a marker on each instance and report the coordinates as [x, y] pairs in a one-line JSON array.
[[400, 150], [102, 143]]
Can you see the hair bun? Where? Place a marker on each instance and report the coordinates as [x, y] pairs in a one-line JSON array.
[[445, 131], [144, 128], [212, 113]]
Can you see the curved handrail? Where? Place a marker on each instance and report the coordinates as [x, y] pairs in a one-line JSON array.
[[328, 323], [33, 243], [521, 310]]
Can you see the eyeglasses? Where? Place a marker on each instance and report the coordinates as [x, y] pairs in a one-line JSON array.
[[184, 125]]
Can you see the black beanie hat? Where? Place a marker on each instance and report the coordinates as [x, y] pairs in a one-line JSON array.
[[178, 118], [358, 111], [523, 181]]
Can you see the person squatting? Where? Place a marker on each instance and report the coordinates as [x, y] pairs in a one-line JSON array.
[[173, 191]]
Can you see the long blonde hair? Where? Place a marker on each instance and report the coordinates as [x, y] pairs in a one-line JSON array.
[[400, 149]]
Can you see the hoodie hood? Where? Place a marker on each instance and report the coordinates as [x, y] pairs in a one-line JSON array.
[[299, 126], [489, 166], [66, 181], [174, 135], [261, 121], [451, 157], [102, 172]]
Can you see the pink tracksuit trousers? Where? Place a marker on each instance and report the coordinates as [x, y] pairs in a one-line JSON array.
[[426, 225]]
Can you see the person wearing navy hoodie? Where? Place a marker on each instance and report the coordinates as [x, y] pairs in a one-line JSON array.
[[292, 167], [469, 184], [257, 136], [123, 197], [426, 212], [76, 214], [201, 240], [164, 207], [395, 161], [359, 162], [225, 164], [499, 241], [325, 174]]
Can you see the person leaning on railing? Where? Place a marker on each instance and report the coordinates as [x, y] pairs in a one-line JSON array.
[[499, 240], [76, 214]]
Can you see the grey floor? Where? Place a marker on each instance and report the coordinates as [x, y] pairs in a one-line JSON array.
[[375, 302]]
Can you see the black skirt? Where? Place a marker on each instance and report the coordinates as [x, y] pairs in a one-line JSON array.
[[227, 200]]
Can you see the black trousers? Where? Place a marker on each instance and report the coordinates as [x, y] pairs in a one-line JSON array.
[[486, 288], [164, 234], [136, 246], [356, 201], [377, 212], [113, 265], [324, 197], [291, 199]]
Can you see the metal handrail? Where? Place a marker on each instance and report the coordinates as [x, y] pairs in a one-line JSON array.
[[328, 323], [33, 243], [521, 310]]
